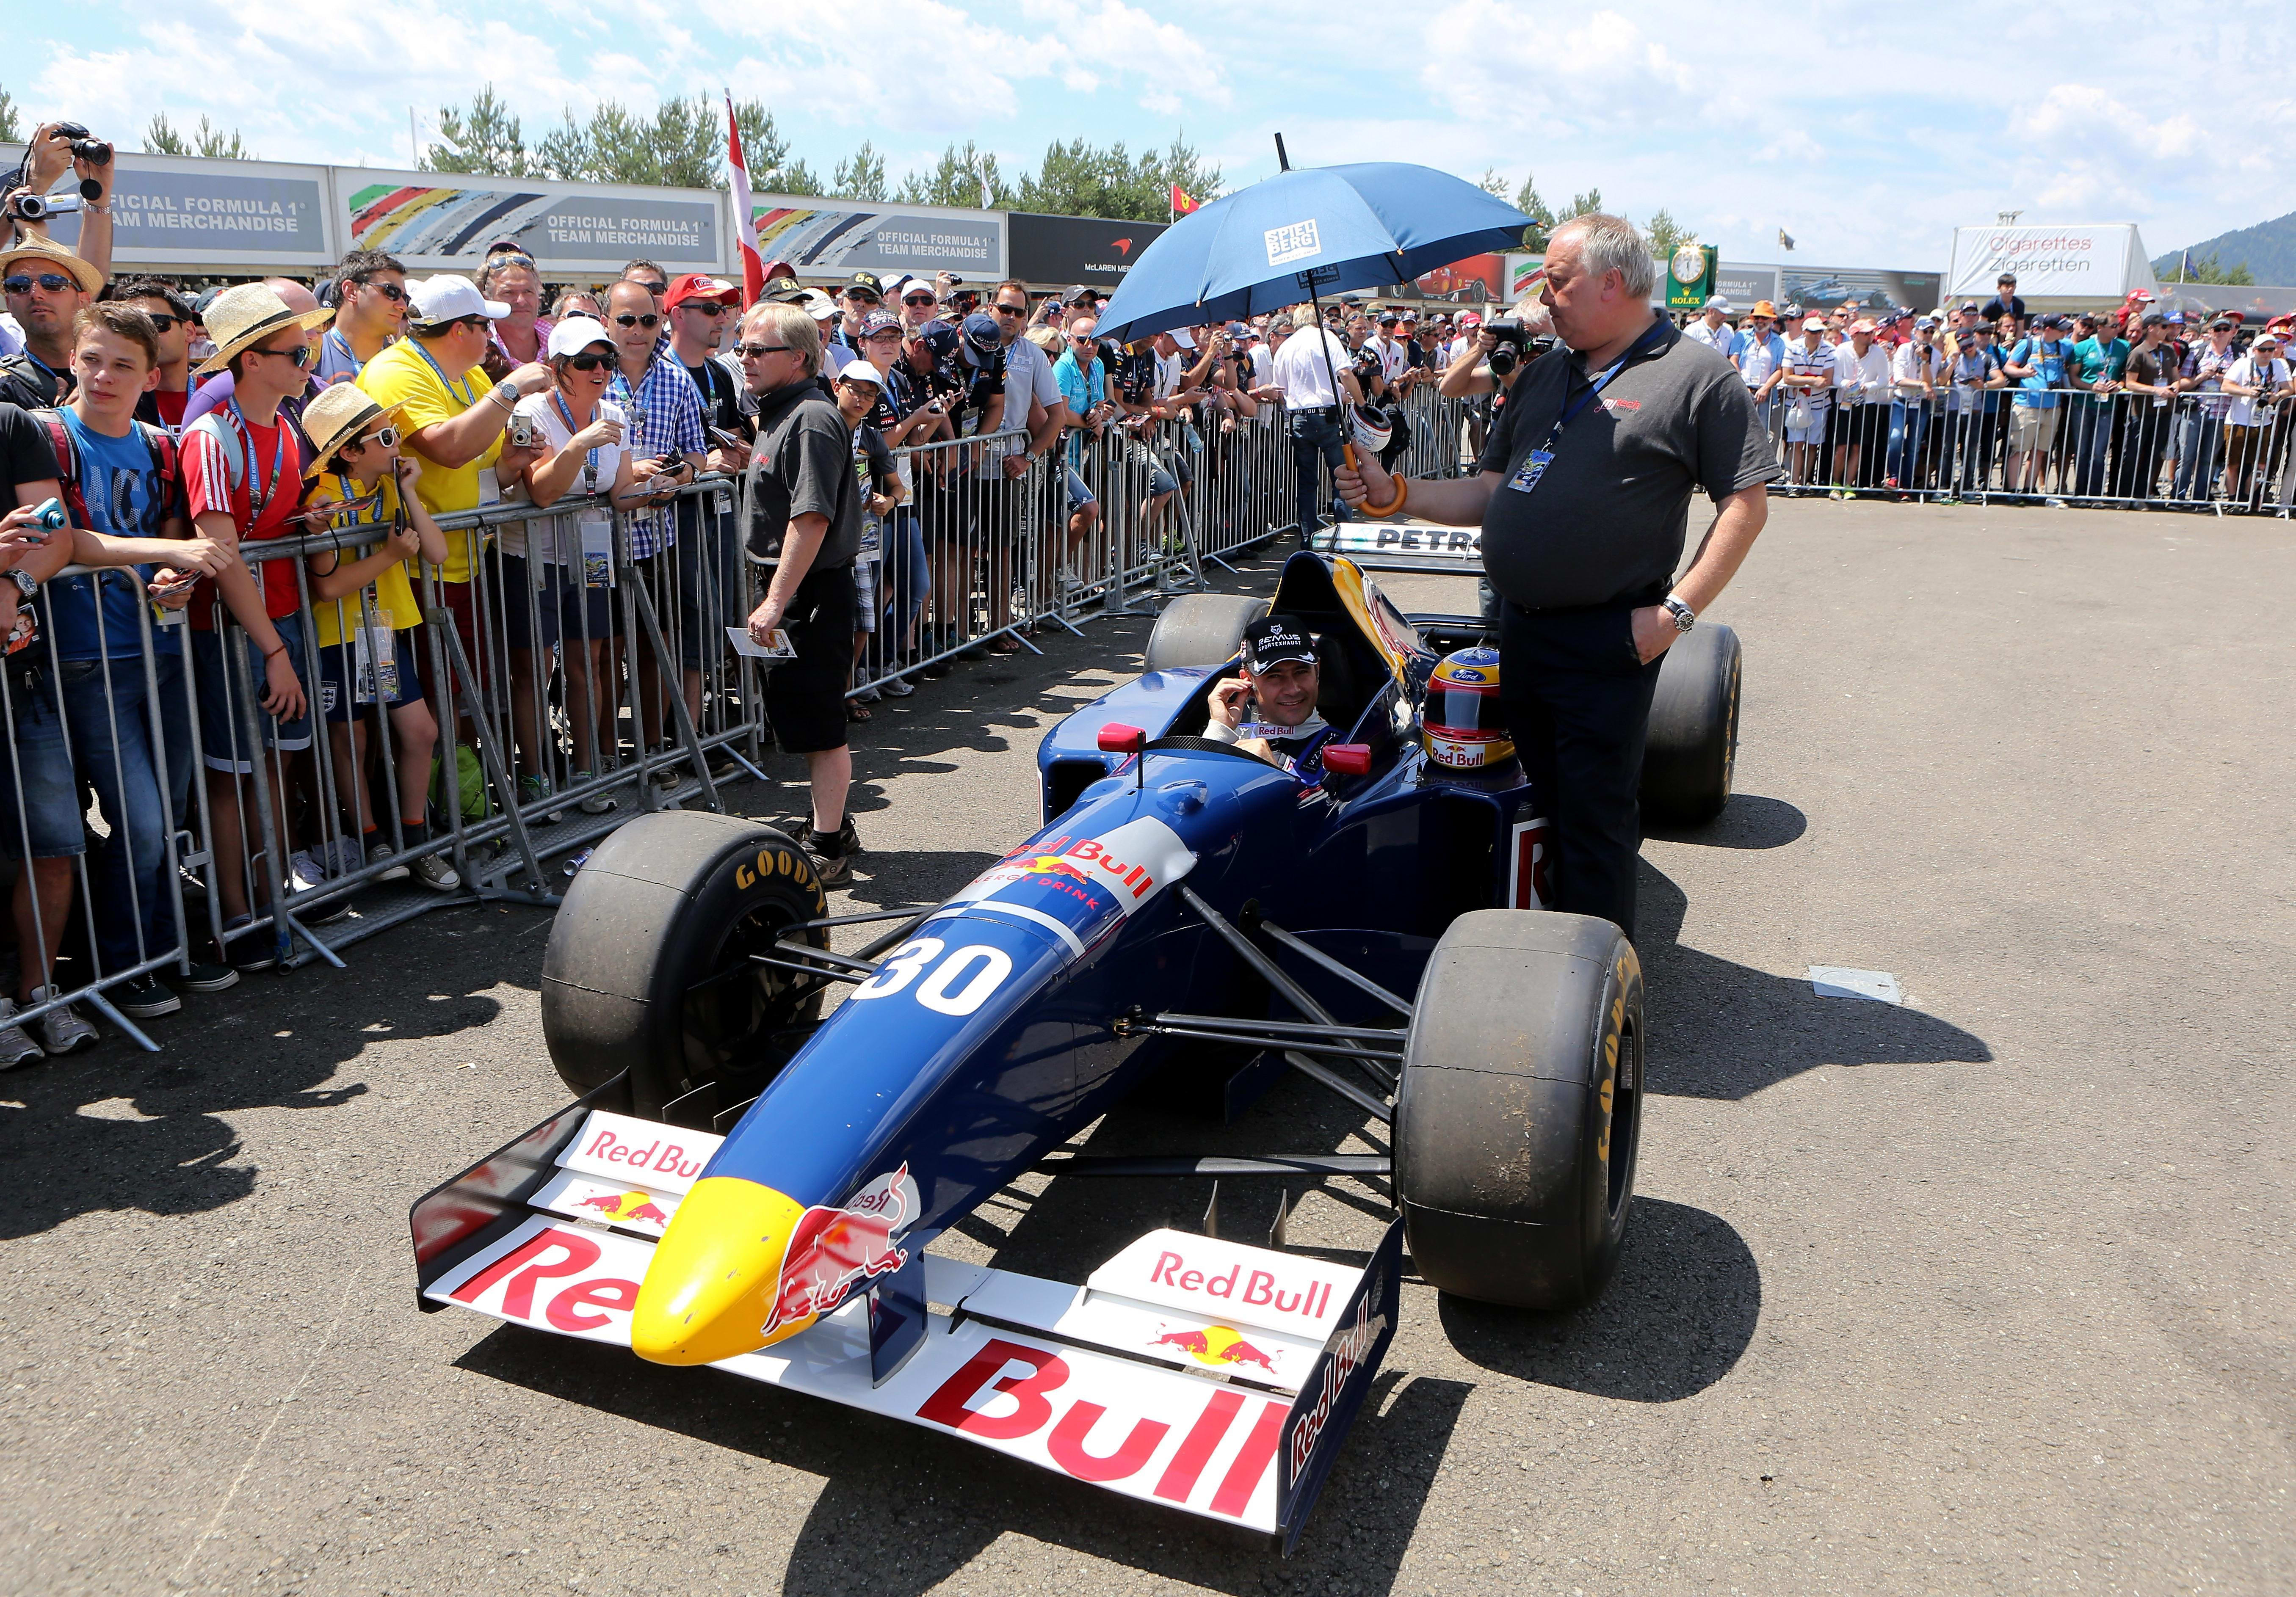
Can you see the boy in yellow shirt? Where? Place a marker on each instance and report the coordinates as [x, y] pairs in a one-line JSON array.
[[364, 609]]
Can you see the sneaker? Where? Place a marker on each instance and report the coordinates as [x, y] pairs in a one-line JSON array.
[[597, 804], [144, 998], [897, 687], [61, 1030], [533, 791], [1946, 499], [205, 978], [436, 872], [305, 874], [835, 871], [2053, 502], [1889, 482], [16, 1045], [1836, 494], [383, 851], [666, 779], [249, 948], [848, 839]]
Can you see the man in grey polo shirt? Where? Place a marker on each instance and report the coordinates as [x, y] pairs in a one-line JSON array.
[[1584, 499]]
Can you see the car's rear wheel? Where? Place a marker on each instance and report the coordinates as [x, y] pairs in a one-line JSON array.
[[1520, 1111], [648, 968], [1201, 629], [1692, 750]]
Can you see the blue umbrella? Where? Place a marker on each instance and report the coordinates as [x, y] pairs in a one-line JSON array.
[[1297, 235]]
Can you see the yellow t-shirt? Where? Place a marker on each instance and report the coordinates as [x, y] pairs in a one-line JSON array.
[[392, 594], [401, 374]]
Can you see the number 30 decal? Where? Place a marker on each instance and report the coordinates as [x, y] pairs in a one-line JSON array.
[[959, 985]]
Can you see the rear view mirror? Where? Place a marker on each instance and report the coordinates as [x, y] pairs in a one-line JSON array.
[[1348, 759], [1116, 738]]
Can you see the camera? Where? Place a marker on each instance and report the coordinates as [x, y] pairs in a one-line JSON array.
[[521, 430], [49, 514], [1514, 344], [94, 151]]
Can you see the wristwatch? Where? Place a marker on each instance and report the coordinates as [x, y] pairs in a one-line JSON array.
[[27, 584], [1684, 618], [509, 385]]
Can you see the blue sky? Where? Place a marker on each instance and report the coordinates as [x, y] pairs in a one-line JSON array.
[[1739, 120]]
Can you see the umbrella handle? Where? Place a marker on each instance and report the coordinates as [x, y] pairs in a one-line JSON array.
[[1402, 488]]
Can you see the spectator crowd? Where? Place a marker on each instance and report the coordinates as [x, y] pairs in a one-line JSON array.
[[838, 485]]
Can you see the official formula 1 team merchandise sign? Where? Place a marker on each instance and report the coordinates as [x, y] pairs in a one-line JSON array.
[[435, 223], [172, 212], [1091, 250], [833, 238], [2097, 261]]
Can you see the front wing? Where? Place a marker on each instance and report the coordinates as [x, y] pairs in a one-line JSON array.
[[1197, 1373]]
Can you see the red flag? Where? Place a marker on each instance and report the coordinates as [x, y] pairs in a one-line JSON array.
[[1181, 203], [745, 223]]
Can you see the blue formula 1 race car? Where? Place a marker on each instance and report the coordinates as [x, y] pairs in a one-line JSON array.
[[749, 1183]]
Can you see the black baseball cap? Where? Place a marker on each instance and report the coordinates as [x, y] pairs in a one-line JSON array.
[[868, 282], [1273, 639]]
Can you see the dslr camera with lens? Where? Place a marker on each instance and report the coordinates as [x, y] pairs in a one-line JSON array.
[[1514, 344]]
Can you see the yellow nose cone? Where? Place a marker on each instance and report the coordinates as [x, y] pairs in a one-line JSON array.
[[710, 1287]]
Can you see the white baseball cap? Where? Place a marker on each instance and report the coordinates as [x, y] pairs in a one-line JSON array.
[[1719, 302], [575, 333], [860, 371], [448, 297]]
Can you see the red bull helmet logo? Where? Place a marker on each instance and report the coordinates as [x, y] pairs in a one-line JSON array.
[[833, 1250], [1219, 1346]]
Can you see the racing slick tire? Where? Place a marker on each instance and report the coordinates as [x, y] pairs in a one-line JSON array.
[[1518, 1113], [1692, 750], [1201, 629], [664, 904]]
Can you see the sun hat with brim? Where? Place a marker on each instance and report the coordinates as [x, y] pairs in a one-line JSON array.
[[335, 416], [243, 316], [37, 251]]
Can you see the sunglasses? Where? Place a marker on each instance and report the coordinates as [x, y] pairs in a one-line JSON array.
[[656, 289], [628, 320], [506, 259], [55, 282], [385, 435], [759, 351], [708, 307], [165, 323], [1010, 310], [298, 356], [388, 290], [586, 361], [920, 299], [861, 296]]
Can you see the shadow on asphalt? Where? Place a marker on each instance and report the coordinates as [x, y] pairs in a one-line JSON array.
[[1674, 1320], [1749, 820], [1719, 1030]]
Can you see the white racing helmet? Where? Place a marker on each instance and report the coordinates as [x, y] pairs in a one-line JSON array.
[[1369, 429]]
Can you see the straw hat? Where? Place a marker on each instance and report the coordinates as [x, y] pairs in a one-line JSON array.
[[335, 416], [36, 252], [241, 317]]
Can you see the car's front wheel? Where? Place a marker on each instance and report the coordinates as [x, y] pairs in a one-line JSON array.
[[1520, 1109]]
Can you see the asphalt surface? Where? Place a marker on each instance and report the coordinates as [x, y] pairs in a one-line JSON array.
[[1990, 1292]]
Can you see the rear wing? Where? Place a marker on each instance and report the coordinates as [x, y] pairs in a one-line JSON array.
[[1405, 544], [1190, 1372]]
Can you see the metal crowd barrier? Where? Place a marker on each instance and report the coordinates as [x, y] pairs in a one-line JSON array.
[[565, 689], [2194, 452]]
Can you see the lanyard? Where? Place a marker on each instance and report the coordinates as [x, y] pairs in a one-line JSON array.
[[468, 394], [1656, 332], [255, 502], [590, 470]]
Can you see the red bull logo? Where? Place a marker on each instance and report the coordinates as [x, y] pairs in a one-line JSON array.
[[833, 1250], [1217, 1346], [627, 1208]]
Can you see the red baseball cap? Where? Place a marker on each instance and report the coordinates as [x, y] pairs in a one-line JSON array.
[[698, 285]]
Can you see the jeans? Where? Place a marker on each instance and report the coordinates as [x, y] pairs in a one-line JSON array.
[[108, 709], [2197, 440], [1907, 424], [2092, 431], [906, 579], [1315, 442]]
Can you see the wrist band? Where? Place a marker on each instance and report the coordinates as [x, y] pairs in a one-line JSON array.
[[282, 649]]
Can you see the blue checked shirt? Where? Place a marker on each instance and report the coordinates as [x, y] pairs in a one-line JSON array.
[[665, 418]]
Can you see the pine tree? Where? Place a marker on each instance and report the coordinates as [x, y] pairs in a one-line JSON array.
[[160, 137], [488, 139], [1492, 183], [1585, 204], [966, 176], [10, 130], [767, 153], [210, 141], [2209, 269], [1665, 234], [1081, 179], [1527, 201], [862, 175]]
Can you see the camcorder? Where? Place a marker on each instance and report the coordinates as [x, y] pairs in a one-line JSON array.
[[34, 208]]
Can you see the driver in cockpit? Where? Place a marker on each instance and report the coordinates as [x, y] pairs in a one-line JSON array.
[[1270, 710]]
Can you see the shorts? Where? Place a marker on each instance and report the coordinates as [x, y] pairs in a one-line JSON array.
[[337, 702], [37, 769], [864, 593], [2035, 428], [1814, 433], [1079, 496], [805, 696], [223, 734], [564, 607]]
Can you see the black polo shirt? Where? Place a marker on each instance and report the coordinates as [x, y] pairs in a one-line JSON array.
[[803, 465], [1608, 517]]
